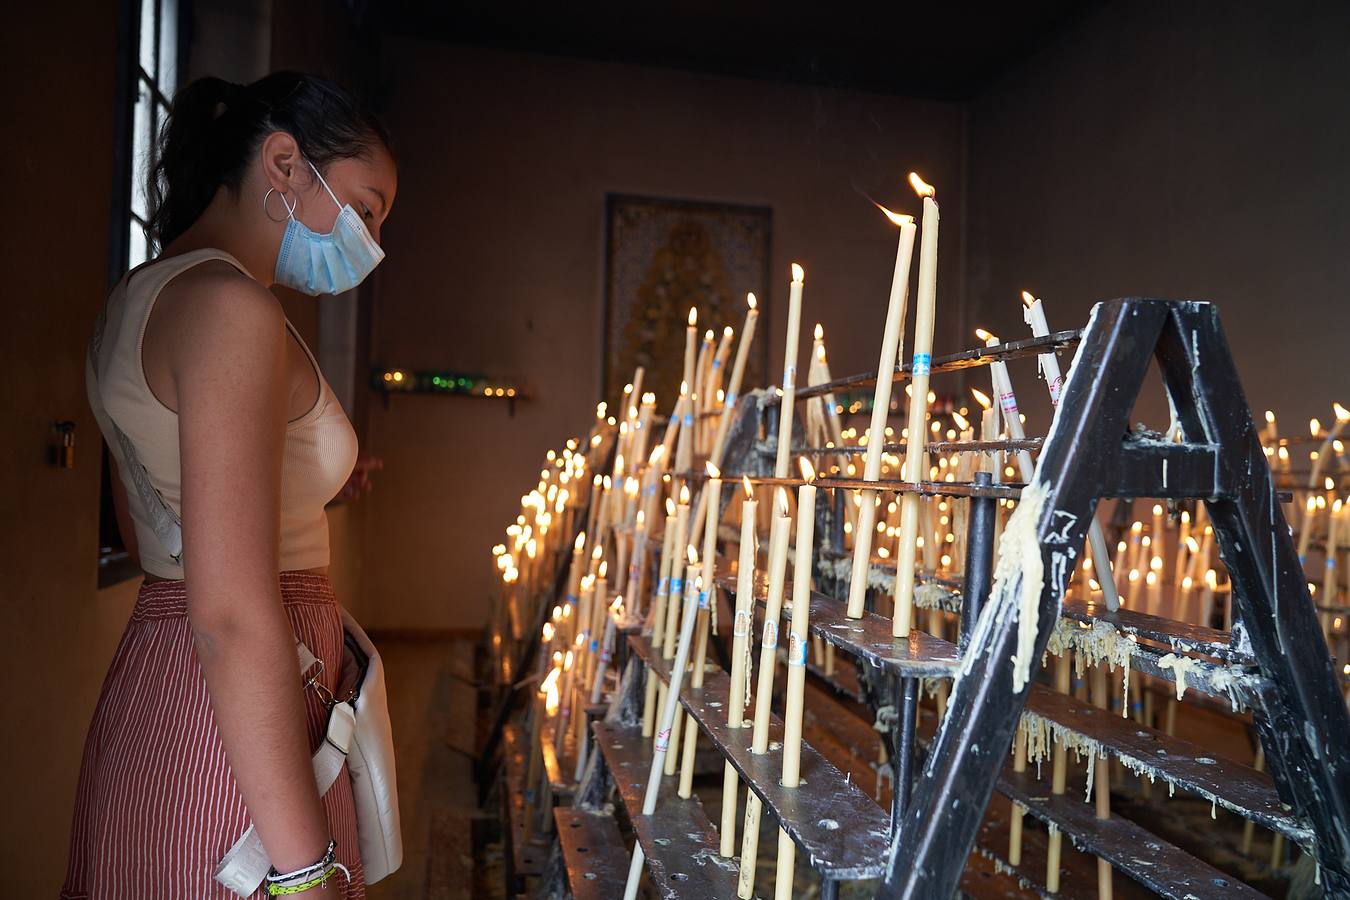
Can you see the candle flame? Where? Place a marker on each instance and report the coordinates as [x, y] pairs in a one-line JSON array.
[[798, 274], [713, 471], [1330, 483], [728, 332], [708, 336], [684, 495], [1028, 299], [808, 471], [1314, 426], [1270, 417], [1211, 579], [579, 542], [693, 316], [547, 633], [1192, 544], [604, 569], [987, 336], [659, 452], [749, 490], [670, 507], [961, 421], [551, 698], [896, 218], [781, 501], [617, 605], [691, 554], [750, 300], [684, 389], [921, 187], [571, 657], [820, 332], [1342, 414], [981, 398]]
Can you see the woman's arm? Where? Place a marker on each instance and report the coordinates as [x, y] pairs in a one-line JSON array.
[[229, 367]]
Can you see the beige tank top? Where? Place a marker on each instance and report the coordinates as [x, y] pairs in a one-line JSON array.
[[142, 433]]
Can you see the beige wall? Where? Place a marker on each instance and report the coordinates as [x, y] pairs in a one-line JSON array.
[[1182, 151], [496, 253], [59, 631]]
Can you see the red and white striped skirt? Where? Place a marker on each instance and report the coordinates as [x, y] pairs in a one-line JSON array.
[[157, 805]]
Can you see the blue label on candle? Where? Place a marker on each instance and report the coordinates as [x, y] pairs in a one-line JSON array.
[[730, 398], [796, 649], [594, 645], [571, 600], [676, 585], [923, 363], [664, 587], [770, 635], [688, 419], [717, 363], [702, 599]]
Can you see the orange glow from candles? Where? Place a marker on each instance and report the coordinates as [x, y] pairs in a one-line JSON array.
[[693, 316], [749, 489], [808, 471], [713, 471], [921, 187], [751, 301], [981, 398], [798, 274], [896, 218], [1028, 299]]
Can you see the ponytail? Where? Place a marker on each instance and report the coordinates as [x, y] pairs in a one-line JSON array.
[[215, 127]]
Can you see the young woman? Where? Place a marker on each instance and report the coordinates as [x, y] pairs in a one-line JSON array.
[[227, 443]]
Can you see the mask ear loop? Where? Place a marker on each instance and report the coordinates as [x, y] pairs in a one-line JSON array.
[[290, 207], [325, 186]]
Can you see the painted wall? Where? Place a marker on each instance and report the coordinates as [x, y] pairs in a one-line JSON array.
[[495, 260], [1181, 151]]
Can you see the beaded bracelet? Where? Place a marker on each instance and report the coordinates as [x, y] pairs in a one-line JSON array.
[[323, 869], [277, 890]]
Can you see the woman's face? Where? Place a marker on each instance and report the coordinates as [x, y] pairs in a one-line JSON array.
[[367, 183]]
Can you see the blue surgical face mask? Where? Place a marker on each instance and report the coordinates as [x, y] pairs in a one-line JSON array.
[[329, 263]]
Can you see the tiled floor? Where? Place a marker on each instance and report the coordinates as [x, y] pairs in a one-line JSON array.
[[432, 706]]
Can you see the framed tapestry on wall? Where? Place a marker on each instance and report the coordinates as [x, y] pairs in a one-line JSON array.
[[663, 256]]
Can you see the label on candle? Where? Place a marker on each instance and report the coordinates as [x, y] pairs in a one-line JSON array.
[[604, 655], [595, 645], [702, 599], [770, 635], [688, 419], [717, 363], [741, 626], [571, 600], [730, 399], [923, 364], [1009, 403], [664, 587], [789, 376], [796, 649], [663, 740], [677, 586], [1055, 387]]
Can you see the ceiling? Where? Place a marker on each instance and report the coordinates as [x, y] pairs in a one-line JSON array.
[[945, 51]]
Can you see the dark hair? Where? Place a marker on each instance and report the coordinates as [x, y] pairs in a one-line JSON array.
[[215, 127]]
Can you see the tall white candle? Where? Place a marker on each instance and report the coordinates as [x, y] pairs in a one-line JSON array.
[[918, 408], [892, 340], [794, 324], [740, 650]]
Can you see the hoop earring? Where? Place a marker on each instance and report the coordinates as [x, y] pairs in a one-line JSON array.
[[290, 207]]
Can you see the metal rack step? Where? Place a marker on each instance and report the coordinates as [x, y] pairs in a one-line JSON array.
[[1130, 848], [1231, 784], [841, 831], [527, 856], [593, 852], [678, 839]]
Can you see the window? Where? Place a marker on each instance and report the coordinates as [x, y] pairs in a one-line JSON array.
[[149, 59]]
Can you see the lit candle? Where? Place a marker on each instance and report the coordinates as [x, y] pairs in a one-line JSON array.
[[741, 648], [918, 408], [892, 338], [798, 641], [789, 371], [778, 547], [1329, 588]]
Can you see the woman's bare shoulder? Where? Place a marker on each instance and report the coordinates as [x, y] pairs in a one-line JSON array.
[[213, 303]]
